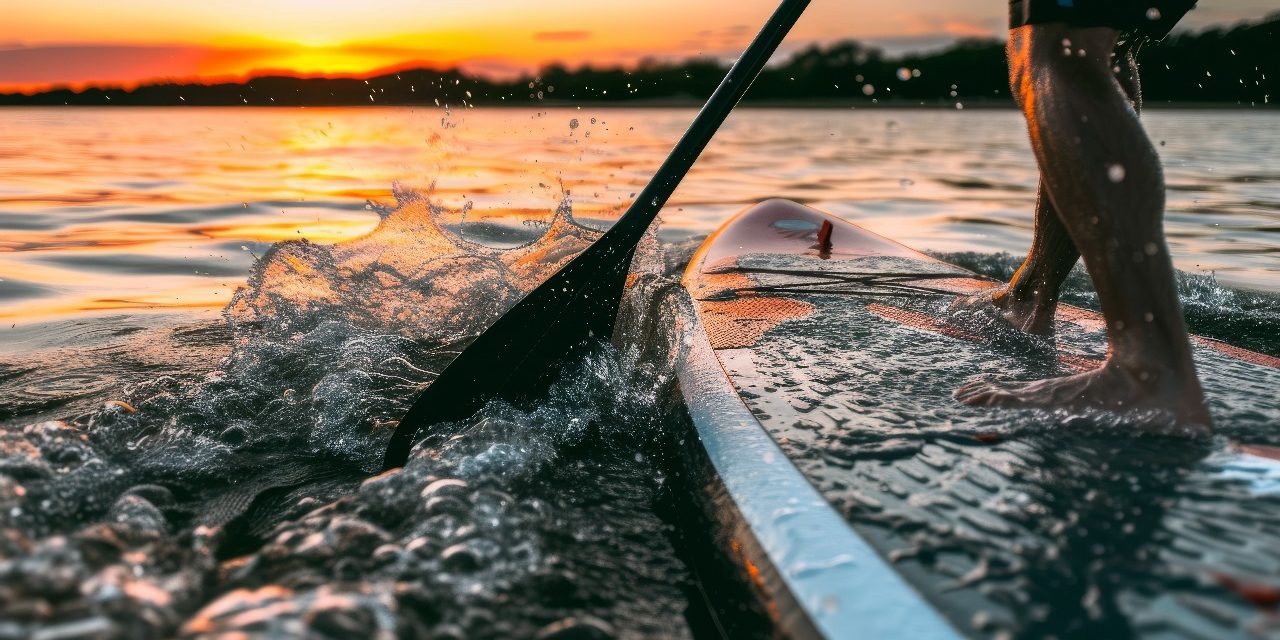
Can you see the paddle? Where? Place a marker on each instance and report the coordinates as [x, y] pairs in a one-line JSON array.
[[517, 357]]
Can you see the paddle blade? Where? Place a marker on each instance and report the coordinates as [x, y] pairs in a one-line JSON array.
[[521, 354]]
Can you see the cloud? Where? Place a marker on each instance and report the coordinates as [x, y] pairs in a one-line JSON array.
[[956, 25], [966, 29], [102, 63], [561, 36]]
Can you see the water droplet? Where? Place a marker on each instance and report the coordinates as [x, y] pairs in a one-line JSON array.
[[868, 90], [980, 620], [1116, 173], [904, 74], [1153, 14], [573, 124], [830, 604]]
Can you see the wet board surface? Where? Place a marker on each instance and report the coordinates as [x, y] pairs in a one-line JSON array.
[[1022, 523]]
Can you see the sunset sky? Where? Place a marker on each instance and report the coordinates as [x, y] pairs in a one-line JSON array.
[[79, 42]]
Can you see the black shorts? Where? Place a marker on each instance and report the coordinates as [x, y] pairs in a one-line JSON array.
[[1150, 18]]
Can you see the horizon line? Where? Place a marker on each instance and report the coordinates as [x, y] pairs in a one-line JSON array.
[[460, 68]]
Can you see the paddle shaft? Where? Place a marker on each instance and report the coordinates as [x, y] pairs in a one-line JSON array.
[[517, 357], [726, 96]]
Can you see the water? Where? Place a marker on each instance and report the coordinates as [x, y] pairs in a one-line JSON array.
[[190, 413], [197, 499], [145, 209]]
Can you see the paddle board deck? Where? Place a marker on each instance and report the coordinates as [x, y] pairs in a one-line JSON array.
[[863, 501]]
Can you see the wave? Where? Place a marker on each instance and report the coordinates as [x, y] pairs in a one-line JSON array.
[[195, 506]]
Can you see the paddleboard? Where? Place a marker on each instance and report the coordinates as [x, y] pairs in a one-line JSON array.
[[860, 501]]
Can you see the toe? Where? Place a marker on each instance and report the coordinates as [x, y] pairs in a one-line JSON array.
[[974, 393], [967, 389], [980, 398], [983, 384]]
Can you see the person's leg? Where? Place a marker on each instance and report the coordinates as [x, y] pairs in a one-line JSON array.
[[1104, 180], [1030, 299]]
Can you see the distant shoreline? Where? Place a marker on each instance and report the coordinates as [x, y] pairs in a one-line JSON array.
[[1220, 68]]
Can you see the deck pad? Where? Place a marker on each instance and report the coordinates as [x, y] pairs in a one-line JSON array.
[[1027, 522]]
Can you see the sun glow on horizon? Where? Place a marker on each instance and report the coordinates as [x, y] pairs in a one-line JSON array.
[[326, 61]]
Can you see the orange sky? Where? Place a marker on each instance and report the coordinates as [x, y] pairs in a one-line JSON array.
[[79, 42]]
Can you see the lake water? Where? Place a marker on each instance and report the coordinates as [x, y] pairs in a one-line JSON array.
[[146, 209], [166, 469]]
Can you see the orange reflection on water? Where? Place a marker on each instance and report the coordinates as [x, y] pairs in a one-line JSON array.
[[157, 208], [323, 232]]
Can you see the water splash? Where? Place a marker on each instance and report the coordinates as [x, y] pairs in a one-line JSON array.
[[197, 505], [1249, 319]]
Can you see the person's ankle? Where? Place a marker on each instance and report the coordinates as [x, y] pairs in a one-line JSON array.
[[1029, 307], [1029, 293], [1155, 372]]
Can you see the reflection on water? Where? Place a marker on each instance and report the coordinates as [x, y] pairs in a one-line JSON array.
[[135, 209]]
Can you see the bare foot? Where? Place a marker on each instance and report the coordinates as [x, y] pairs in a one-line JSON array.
[[1112, 388], [1030, 313]]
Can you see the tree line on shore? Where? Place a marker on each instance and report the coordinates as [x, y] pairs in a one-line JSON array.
[[1227, 65]]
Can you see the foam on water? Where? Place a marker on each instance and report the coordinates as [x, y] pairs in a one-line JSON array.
[[237, 500]]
